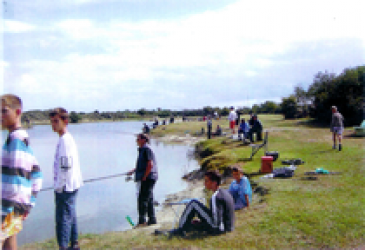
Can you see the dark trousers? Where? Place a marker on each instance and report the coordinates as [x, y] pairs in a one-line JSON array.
[[197, 209], [145, 202], [66, 219], [209, 132], [257, 131]]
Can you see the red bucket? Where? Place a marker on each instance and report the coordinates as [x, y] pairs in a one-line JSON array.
[[266, 164]]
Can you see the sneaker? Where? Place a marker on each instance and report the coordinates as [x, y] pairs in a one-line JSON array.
[[75, 246], [152, 222], [161, 232], [177, 232], [339, 147]]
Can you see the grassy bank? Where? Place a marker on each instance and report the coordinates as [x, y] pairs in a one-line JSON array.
[[327, 213]]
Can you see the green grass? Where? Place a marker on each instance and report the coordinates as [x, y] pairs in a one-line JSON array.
[[296, 214]]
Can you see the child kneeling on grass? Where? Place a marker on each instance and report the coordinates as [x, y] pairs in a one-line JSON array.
[[240, 189]]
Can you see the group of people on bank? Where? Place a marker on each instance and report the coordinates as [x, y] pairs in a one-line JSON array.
[[246, 130], [22, 181]]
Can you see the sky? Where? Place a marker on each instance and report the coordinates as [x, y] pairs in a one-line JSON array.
[[111, 55]]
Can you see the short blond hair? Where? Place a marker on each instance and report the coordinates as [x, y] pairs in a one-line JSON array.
[[11, 101]]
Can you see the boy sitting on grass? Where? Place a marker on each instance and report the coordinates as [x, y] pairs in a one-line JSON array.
[[216, 220], [240, 189]]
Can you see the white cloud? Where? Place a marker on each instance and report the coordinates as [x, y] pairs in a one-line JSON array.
[[12, 26], [231, 36], [76, 28], [30, 83], [239, 43], [4, 64]]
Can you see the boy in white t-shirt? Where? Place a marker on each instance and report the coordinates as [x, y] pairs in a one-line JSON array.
[[67, 181]]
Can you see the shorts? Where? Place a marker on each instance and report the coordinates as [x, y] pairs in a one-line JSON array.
[[232, 124], [12, 225], [337, 130]]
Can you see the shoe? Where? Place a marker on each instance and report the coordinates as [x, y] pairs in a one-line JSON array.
[[339, 147], [139, 225], [334, 147], [177, 232], [152, 222], [75, 246], [161, 232]]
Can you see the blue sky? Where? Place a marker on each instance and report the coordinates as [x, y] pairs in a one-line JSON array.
[[130, 54]]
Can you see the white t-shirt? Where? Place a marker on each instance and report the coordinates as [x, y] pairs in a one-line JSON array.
[[66, 165], [232, 116]]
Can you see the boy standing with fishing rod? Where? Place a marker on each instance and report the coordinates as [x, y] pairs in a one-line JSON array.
[[21, 175], [145, 176], [67, 181]]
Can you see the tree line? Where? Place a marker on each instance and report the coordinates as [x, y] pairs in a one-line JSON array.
[[75, 117], [346, 91]]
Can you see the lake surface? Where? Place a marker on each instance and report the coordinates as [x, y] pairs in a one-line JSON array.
[[105, 149]]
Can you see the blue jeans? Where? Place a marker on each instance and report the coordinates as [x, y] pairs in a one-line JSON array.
[[66, 219]]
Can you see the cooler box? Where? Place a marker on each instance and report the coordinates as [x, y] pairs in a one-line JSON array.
[[266, 164], [274, 154]]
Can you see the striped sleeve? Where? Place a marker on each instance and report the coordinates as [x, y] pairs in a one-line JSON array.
[[36, 179]]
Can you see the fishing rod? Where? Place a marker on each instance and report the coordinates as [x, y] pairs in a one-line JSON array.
[[98, 179]]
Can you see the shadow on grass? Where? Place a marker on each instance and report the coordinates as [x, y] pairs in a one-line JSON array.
[[245, 159], [353, 136], [197, 234], [313, 124]]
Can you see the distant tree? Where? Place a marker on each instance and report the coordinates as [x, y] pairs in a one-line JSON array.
[[74, 117], [244, 110], [164, 113], [289, 107], [345, 91], [142, 112], [208, 110], [268, 107], [256, 108], [225, 111]]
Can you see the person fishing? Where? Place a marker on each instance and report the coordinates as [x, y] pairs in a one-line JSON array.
[[145, 176]]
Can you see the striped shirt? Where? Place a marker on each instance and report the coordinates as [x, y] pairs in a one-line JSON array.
[[222, 207], [21, 175]]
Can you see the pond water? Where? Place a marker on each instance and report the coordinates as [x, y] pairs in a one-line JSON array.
[[105, 149]]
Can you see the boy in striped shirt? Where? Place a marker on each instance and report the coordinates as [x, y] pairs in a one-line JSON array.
[[21, 175]]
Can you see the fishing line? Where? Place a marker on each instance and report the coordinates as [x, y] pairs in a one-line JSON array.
[[96, 179]]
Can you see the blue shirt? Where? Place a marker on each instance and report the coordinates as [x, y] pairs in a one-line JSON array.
[[244, 126], [239, 190]]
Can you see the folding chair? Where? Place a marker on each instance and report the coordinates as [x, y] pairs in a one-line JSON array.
[[257, 147]]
